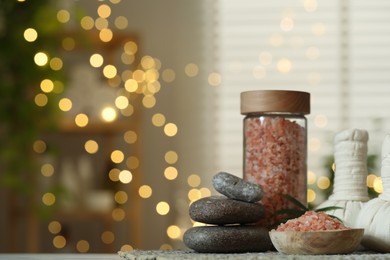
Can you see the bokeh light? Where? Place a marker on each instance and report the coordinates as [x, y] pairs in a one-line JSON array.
[[81, 120], [47, 170], [147, 62], [118, 214], [113, 174], [310, 5], [121, 197], [39, 146], [149, 101], [168, 75], [173, 232], [104, 11], [377, 185], [171, 157], [323, 182], [191, 70], [109, 114], [63, 16], [109, 71], [170, 173], [101, 23], [284, 65], [132, 162], [287, 24], [30, 34], [166, 247], [65, 104], [91, 146], [170, 129], [162, 208], [370, 180], [131, 85], [47, 85], [311, 195], [311, 178], [48, 199], [56, 64], [130, 137], [321, 121], [87, 23], [54, 227], [214, 79], [117, 156], [121, 102], [158, 119], [193, 180], [59, 242], [106, 35], [41, 59], [194, 194], [125, 176], [130, 47], [107, 237], [82, 246], [205, 192], [96, 60], [121, 22], [127, 248], [41, 100], [145, 191]]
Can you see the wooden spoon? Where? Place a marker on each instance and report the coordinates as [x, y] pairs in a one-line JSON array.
[[317, 242]]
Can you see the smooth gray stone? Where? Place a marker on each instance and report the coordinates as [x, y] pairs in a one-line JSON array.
[[228, 239], [220, 210], [236, 188]]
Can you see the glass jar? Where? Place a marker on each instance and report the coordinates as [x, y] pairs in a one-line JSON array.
[[275, 147]]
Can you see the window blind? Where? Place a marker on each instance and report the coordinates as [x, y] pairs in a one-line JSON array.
[[336, 50], [369, 66]]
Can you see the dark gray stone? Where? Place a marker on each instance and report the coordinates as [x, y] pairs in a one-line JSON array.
[[227, 239], [236, 188], [220, 210]]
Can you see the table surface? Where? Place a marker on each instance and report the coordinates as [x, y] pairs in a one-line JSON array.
[[191, 255], [59, 256], [178, 254]]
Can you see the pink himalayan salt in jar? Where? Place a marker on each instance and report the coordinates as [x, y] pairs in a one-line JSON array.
[[275, 147]]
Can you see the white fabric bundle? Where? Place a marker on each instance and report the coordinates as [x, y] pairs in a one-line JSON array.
[[350, 189], [375, 215]]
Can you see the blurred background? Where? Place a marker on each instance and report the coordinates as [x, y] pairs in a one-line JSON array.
[[115, 114]]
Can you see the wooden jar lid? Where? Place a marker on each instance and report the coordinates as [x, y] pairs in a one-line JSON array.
[[286, 101]]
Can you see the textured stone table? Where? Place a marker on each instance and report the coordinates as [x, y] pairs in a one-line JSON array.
[[177, 254], [19, 256]]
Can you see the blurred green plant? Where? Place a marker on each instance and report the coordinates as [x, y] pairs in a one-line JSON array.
[[21, 120]]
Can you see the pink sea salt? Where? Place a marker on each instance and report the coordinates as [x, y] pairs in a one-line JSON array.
[[312, 221], [275, 159]]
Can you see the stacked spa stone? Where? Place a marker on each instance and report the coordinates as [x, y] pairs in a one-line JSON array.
[[231, 219]]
